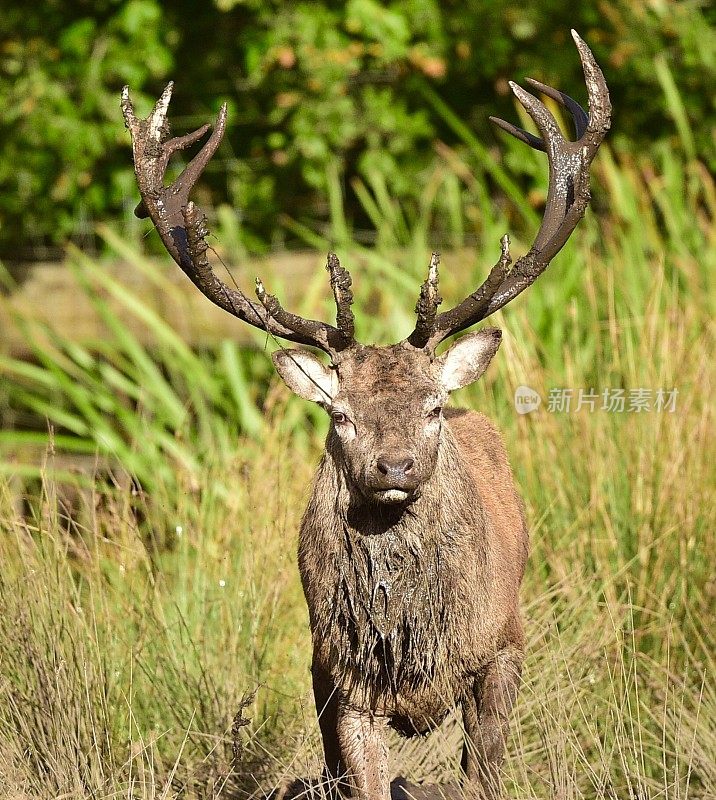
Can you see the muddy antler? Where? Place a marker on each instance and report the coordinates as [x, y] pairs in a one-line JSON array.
[[567, 200], [182, 228]]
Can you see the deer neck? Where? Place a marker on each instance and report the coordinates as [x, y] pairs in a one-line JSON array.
[[393, 570]]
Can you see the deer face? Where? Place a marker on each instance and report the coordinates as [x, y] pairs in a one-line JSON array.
[[385, 405]]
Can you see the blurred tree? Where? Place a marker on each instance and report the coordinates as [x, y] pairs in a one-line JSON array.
[[319, 92], [60, 66]]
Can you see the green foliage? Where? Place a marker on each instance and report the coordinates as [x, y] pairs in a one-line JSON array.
[[112, 395], [58, 72], [315, 89]]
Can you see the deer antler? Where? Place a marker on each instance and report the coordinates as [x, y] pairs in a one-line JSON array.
[[182, 228], [567, 199]]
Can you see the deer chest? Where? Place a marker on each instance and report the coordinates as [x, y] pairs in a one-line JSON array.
[[381, 627]]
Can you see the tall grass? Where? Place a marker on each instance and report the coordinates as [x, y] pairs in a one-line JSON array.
[[147, 595]]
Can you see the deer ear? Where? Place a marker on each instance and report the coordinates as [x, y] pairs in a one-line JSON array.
[[305, 375], [468, 358]]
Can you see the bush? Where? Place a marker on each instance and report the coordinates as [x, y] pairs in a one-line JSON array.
[[317, 91]]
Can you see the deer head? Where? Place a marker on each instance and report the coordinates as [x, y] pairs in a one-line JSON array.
[[385, 402]]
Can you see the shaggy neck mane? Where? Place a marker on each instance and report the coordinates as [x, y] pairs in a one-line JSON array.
[[388, 619]]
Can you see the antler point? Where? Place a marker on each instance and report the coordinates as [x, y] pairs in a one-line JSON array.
[[527, 100], [261, 292], [127, 109]]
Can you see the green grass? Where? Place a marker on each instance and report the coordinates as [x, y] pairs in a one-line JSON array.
[[149, 588]]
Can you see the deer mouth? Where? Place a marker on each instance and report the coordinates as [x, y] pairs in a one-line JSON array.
[[385, 493], [393, 496]]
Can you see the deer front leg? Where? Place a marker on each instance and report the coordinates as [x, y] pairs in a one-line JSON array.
[[486, 715], [326, 698], [364, 754]]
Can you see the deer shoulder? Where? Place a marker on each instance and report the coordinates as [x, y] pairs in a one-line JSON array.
[[483, 450]]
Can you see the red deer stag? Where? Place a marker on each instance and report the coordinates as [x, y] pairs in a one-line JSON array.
[[413, 545]]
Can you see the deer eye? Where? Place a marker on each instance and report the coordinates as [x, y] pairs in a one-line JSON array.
[[338, 417], [435, 413]]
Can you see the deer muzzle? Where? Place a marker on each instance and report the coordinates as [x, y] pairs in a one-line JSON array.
[[393, 478]]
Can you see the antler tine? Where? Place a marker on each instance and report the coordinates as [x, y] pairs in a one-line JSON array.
[[598, 99], [562, 162], [276, 312], [427, 306], [579, 115], [473, 306], [528, 138], [182, 225], [567, 196], [341, 283], [600, 107]]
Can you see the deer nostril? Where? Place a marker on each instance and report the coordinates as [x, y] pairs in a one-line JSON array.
[[396, 468]]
